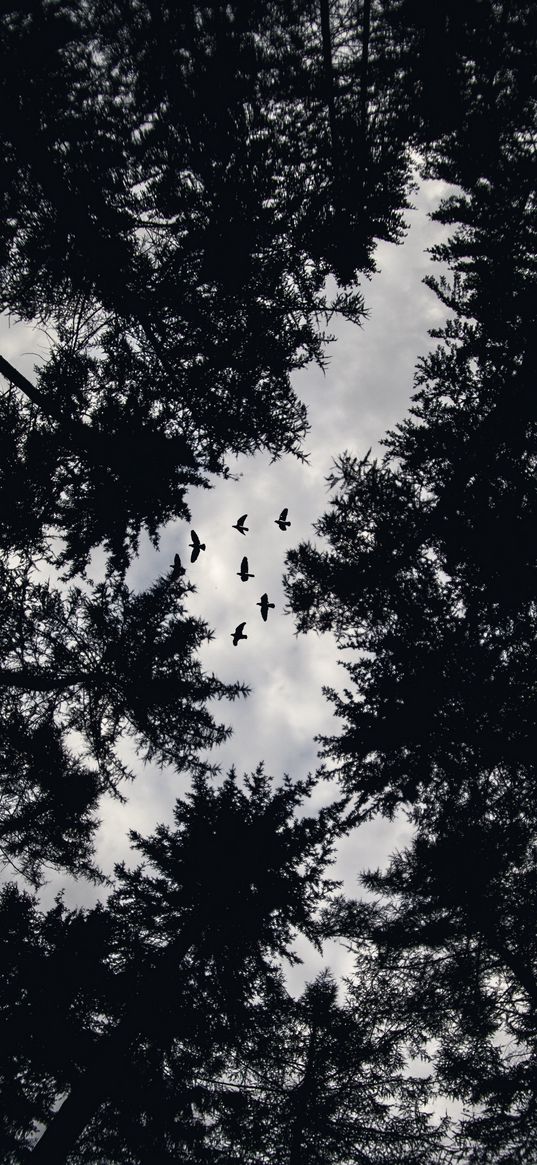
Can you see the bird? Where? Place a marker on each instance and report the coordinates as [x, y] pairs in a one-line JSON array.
[[282, 520], [239, 525], [238, 633], [176, 568], [243, 572], [196, 546], [264, 604]]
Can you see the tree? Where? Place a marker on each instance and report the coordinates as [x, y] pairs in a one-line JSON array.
[[49, 798], [321, 1080], [161, 227], [429, 580], [104, 663], [165, 221], [185, 946], [454, 932], [431, 568]]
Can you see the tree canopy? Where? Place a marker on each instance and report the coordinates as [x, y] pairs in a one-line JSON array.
[[172, 212], [427, 579], [189, 197]]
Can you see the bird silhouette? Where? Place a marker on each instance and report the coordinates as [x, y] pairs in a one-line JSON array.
[[196, 546], [264, 604], [239, 524], [238, 633], [177, 569], [243, 572], [282, 520]]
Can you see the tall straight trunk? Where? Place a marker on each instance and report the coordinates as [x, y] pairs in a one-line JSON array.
[[364, 68], [96, 1084], [304, 1090], [329, 80]]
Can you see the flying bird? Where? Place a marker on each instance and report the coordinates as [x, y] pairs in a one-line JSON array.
[[264, 604], [239, 524], [177, 569], [238, 633], [282, 520], [196, 546], [243, 572]]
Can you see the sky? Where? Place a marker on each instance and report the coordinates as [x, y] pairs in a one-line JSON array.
[[365, 390]]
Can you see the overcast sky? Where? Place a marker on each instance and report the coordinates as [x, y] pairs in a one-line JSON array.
[[366, 390]]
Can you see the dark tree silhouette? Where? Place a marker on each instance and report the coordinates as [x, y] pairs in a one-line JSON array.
[[49, 797], [319, 1073], [455, 935], [430, 581], [105, 663], [109, 663], [431, 568], [196, 934], [179, 185], [164, 208]]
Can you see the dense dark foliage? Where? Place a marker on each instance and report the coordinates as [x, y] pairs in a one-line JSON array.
[[189, 194], [174, 970], [172, 210], [429, 581]]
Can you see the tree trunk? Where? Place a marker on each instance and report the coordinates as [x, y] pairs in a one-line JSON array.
[[26, 386], [364, 70], [96, 1084], [329, 80], [303, 1093]]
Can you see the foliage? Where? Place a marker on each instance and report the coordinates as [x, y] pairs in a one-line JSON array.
[[185, 953], [428, 581], [172, 214], [87, 669]]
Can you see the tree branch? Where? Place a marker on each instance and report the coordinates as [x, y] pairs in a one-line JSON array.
[[105, 1067], [25, 386]]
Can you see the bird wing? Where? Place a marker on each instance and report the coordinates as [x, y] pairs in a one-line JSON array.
[[177, 562], [244, 566], [242, 519], [195, 553], [264, 598], [283, 515], [240, 628], [195, 538]]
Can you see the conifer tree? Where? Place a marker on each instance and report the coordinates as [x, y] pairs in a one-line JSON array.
[[107, 664], [429, 580], [185, 946]]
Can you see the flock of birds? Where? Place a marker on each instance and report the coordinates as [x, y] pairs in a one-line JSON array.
[[197, 546]]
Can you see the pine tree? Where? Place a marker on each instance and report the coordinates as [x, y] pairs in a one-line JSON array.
[[429, 580], [105, 663], [185, 946]]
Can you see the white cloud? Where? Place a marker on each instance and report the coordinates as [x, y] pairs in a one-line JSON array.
[[366, 390]]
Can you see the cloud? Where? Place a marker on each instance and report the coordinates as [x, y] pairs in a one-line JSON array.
[[366, 390]]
